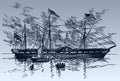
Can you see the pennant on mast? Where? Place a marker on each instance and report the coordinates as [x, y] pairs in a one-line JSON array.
[[51, 12], [17, 37]]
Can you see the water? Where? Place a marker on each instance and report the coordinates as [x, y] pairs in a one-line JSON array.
[[75, 69]]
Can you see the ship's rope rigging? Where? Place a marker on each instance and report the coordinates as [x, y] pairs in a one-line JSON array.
[[114, 45], [43, 32], [92, 27], [95, 37], [38, 29]]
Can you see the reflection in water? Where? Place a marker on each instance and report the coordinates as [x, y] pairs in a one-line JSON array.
[[84, 67], [51, 68], [59, 65]]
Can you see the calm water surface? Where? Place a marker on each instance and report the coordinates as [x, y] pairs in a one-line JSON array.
[[74, 68]]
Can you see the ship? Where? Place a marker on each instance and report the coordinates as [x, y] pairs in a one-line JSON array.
[[65, 50]]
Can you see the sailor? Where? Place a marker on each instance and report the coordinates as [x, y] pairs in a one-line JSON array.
[[31, 67]]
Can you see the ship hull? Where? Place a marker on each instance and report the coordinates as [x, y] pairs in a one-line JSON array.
[[78, 53], [62, 54], [24, 54], [79, 56]]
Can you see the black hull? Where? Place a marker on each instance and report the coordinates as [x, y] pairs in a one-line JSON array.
[[79, 56], [76, 53], [24, 54], [62, 54]]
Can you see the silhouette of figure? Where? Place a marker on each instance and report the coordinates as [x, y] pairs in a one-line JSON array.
[[31, 67]]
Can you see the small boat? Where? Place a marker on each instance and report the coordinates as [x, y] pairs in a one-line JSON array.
[[60, 66]]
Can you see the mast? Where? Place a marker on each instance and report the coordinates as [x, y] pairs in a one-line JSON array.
[[84, 35], [49, 35], [15, 44], [25, 37]]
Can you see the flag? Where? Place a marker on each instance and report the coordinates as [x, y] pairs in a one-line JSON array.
[[89, 16], [51, 12], [17, 37], [17, 5]]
